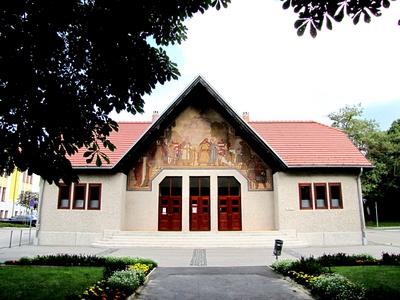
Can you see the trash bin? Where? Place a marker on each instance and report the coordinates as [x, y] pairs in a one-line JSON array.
[[278, 248]]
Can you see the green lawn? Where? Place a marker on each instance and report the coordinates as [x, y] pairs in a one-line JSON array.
[[40, 282], [381, 282], [5, 224], [383, 224]]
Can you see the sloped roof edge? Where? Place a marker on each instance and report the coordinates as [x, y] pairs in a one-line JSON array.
[[164, 116]]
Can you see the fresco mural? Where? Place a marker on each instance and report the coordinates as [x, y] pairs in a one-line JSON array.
[[199, 138]]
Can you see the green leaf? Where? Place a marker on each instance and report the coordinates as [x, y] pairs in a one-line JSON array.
[[298, 23], [286, 4], [386, 3], [339, 16], [87, 153], [98, 161], [89, 160], [301, 30], [328, 23], [313, 31], [356, 18], [367, 18]]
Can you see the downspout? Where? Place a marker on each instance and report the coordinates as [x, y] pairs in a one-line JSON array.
[[361, 205]]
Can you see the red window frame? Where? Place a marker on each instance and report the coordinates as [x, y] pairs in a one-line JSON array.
[[78, 185], [59, 196], [91, 185], [320, 184], [310, 194], [338, 184]]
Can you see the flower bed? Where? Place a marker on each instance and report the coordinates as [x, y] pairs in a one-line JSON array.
[[122, 275], [317, 276]]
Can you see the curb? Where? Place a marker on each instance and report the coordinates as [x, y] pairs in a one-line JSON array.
[[140, 288]]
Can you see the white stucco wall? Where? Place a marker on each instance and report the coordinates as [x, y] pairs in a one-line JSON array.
[[81, 227], [142, 206], [318, 226]]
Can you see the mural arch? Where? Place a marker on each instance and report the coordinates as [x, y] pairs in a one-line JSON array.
[[199, 139]]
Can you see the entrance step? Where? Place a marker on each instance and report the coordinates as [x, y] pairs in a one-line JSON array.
[[120, 239]]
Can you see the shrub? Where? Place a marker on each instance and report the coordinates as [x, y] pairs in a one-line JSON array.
[[62, 260], [113, 264], [309, 266], [342, 259], [336, 287], [282, 266], [390, 259], [126, 280]]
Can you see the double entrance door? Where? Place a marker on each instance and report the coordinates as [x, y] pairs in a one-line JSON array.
[[170, 204], [199, 203], [229, 204]]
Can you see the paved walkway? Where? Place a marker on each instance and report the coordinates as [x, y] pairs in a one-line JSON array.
[[217, 273], [219, 283]]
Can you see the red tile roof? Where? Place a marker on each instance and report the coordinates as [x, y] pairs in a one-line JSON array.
[[128, 134], [308, 143], [297, 143]]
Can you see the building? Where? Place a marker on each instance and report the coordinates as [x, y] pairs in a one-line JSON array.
[[201, 167], [11, 188]]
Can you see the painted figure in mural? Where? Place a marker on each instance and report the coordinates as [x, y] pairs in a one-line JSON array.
[[222, 152], [261, 175], [158, 155], [204, 152], [251, 172], [213, 152], [164, 149], [186, 153]]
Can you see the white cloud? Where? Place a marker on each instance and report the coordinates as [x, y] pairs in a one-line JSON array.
[[250, 53]]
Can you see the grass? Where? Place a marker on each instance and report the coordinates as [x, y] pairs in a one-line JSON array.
[[383, 224], [44, 282], [381, 282], [5, 224]]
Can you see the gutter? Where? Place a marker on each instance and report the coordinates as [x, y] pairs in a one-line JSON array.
[[361, 207]]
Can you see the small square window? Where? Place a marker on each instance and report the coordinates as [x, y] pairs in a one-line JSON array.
[[94, 197], [335, 195], [321, 200], [79, 196], [64, 196], [305, 195]]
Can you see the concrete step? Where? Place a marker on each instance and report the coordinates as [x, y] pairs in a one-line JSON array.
[[197, 239]]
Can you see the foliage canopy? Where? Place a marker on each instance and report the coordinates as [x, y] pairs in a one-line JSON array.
[[65, 65], [313, 14]]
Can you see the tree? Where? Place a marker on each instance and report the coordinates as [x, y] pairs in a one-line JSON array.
[[312, 14], [65, 65], [382, 148], [360, 131], [26, 197]]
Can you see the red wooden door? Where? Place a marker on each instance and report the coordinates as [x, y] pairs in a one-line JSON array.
[[229, 204], [170, 204], [199, 203]]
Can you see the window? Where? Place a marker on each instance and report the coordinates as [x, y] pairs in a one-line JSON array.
[[321, 199], [335, 195], [305, 196], [228, 186], [64, 196], [171, 186], [94, 196], [79, 196]]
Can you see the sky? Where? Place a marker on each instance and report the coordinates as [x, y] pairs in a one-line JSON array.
[[251, 55]]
